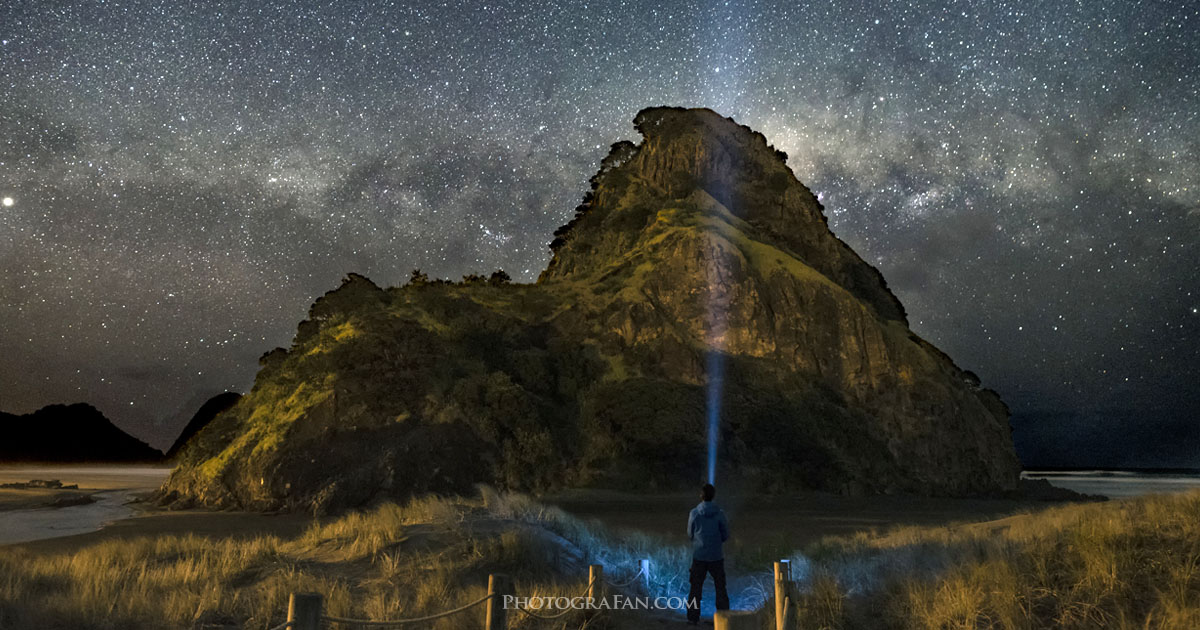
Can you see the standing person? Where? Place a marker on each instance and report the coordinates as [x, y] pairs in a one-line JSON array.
[[708, 530]]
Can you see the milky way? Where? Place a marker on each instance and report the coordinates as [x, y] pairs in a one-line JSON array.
[[185, 180]]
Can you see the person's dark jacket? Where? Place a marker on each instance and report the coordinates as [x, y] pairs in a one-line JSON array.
[[708, 530]]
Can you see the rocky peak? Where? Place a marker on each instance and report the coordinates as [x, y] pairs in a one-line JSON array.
[[690, 157]]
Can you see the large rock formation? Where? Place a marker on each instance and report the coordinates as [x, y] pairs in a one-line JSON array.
[[699, 243], [69, 433]]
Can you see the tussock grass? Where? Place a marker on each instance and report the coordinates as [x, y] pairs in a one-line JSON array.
[[395, 561], [1123, 564]]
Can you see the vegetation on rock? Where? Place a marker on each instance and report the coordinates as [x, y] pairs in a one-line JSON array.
[[698, 240]]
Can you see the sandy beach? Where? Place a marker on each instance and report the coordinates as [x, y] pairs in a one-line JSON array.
[[778, 521], [31, 498], [134, 478], [791, 521], [103, 494]]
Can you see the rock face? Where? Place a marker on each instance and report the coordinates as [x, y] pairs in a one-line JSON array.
[[697, 248], [69, 433]]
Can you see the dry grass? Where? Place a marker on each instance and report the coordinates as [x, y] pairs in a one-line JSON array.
[[620, 556], [1123, 565], [395, 561]]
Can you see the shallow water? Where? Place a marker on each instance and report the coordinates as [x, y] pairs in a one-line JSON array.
[[118, 485], [1116, 484], [36, 524]]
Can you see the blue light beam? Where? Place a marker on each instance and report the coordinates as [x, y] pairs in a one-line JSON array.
[[716, 377]]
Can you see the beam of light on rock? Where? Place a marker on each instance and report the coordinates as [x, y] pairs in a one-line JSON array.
[[716, 366], [717, 268]]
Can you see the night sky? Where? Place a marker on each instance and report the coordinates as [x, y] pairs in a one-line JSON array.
[[178, 183]]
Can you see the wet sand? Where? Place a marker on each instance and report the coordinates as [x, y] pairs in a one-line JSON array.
[[182, 523], [90, 476], [777, 521], [795, 520], [792, 521], [116, 513], [28, 514], [30, 498]]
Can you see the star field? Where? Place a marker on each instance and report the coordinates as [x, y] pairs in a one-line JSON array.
[[181, 180]]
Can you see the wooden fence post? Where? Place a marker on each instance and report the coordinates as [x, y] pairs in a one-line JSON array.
[[789, 613], [783, 575], [496, 617], [304, 611], [736, 620]]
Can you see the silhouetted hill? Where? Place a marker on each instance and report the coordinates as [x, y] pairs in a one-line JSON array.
[[69, 433], [202, 417], [697, 257]]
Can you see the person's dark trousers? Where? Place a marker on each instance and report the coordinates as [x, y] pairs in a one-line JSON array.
[[699, 569]]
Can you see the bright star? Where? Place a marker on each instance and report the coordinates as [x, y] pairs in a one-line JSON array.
[[8, 201]]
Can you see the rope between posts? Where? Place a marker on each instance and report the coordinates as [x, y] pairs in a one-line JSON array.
[[565, 610], [537, 616], [631, 580], [401, 622]]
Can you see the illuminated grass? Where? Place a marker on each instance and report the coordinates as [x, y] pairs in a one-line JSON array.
[[1123, 564], [267, 424]]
